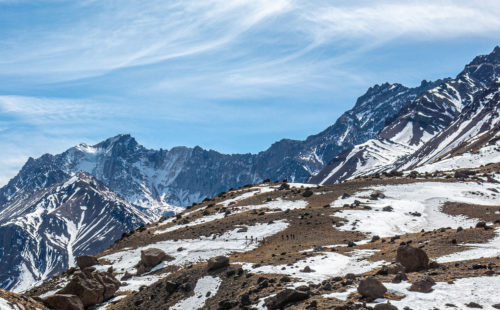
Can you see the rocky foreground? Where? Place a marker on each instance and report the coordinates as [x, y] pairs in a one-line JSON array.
[[390, 241]]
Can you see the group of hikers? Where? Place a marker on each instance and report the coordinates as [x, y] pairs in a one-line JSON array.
[[263, 240]]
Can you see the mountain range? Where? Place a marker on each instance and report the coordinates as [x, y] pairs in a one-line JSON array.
[[82, 200]]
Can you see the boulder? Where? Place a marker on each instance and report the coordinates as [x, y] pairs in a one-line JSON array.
[[307, 193], [285, 297], [217, 262], [372, 288], [394, 268], [85, 261], [63, 302], [400, 277], [413, 259], [386, 306], [424, 285], [152, 257], [92, 288]]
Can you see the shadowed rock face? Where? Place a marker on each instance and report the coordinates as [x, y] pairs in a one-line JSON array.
[[44, 233]]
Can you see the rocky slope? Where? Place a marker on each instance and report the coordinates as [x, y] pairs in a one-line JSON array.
[[419, 120], [276, 245], [41, 235]]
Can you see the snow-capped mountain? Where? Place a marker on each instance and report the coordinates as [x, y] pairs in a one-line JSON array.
[[417, 122], [158, 179], [475, 127], [42, 234], [361, 123]]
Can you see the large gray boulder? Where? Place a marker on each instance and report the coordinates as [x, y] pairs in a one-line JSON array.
[[372, 288], [217, 263], [63, 302], [85, 261], [413, 259], [152, 257], [92, 287]]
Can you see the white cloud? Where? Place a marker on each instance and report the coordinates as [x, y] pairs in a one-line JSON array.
[[110, 36], [131, 34], [388, 20]]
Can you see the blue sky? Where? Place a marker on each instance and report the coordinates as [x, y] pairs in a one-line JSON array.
[[233, 76]]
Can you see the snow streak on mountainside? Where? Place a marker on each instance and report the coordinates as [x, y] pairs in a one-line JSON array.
[[44, 233], [419, 120], [478, 122]]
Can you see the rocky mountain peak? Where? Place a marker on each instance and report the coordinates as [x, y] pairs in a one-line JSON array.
[[118, 145], [484, 68]]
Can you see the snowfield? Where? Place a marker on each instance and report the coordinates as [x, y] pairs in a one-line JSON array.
[[4, 305], [194, 250], [425, 198], [478, 250], [204, 285], [324, 266], [275, 204], [481, 290], [486, 155]]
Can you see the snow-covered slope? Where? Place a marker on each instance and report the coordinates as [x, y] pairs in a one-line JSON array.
[[367, 158], [407, 140], [43, 234], [477, 125]]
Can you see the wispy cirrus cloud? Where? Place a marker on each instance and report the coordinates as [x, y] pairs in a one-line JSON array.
[[103, 36]]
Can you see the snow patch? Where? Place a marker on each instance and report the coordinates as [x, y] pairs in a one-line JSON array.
[[203, 286], [478, 250], [325, 266], [425, 198]]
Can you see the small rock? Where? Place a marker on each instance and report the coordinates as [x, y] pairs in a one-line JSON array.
[[226, 304], [474, 305], [171, 286], [386, 306], [285, 279], [398, 278], [285, 297], [307, 269], [307, 193], [392, 268], [423, 285], [245, 300], [127, 276], [481, 225]]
